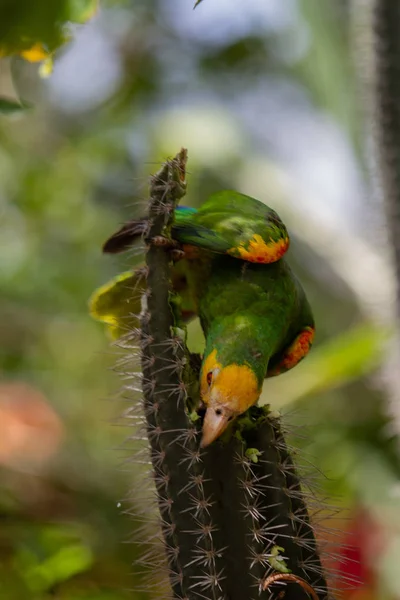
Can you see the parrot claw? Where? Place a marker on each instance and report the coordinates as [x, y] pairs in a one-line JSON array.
[[161, 240], [172, 246], [177, 254]]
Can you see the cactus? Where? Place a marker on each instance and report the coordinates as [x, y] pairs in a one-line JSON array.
[[232, 517]]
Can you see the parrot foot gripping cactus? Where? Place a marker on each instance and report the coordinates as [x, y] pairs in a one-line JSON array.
[[233, 516]]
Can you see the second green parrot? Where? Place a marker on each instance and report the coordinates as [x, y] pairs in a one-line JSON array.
[[255, 316]]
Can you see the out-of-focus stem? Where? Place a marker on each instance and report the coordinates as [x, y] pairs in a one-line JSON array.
[[387, 104]]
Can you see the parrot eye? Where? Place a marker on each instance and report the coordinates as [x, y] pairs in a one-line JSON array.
[[209, 377]]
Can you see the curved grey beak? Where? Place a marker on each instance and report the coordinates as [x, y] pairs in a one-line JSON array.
[[216, 420]]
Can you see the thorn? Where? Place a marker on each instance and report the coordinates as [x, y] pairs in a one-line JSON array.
[[263, 534], [172, 552], [174, 343], [187, 437], [196, 481], [179, 390], [259, 558], [206, 557], [155, 432], [158, 458], [254, 509], [199, 505], [145, 340], [161, 479], [192, 457], [168, 528], [254, 487], [176, 367], [175, 577], [208, 580], [151, 409], [148, 361], [204, 531], [149, 387]]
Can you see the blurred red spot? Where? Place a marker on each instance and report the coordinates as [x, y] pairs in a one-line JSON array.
[[30, 430], [360, 544]]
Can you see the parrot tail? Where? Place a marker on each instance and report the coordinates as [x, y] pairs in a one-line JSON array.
[[126, 236], [131, 231]]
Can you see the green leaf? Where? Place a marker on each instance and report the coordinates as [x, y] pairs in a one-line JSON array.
[[9, 107], [197, 3]]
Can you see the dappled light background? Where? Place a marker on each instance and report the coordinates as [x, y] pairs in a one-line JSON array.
[[267, 98]]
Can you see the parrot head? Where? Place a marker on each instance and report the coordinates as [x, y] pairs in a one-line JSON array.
[[227, 390]]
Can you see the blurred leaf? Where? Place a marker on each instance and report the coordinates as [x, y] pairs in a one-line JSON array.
[[197, 3], [61, 566], [81, 11], [24, 23], [36, 30], [8, 107], [249, 55], [348, 356], [327, 69]]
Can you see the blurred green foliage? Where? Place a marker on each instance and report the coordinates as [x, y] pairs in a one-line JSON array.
[[76, 165], [23, 25]]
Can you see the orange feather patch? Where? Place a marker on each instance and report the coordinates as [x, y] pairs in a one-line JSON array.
[[259, 251], [296, 351]]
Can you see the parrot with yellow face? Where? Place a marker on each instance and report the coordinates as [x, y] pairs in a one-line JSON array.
[[232, 274]]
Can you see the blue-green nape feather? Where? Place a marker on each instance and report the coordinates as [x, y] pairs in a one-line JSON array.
[[186, 210], [186, 230]]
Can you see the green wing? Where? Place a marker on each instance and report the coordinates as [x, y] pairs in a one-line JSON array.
[[227, 223], [234, 224], [118, 302]]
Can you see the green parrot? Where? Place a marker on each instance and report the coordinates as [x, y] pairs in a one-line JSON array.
[[255, 316]]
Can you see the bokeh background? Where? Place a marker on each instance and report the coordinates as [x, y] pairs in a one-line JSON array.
[[271, 99]]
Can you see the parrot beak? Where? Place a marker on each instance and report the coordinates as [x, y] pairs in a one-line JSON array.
[[216, 420]]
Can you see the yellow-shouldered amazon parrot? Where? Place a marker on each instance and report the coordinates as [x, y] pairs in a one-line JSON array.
[[255, 316]]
